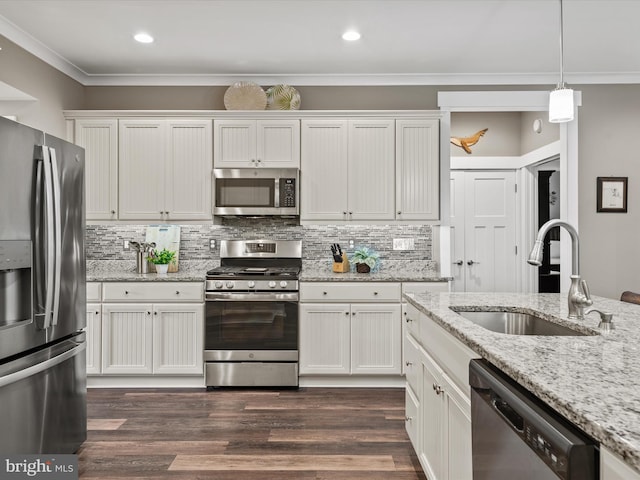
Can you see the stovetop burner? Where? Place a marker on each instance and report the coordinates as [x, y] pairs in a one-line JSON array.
[[241, 271]]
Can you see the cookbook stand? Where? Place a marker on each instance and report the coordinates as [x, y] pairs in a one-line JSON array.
[[341, 267]]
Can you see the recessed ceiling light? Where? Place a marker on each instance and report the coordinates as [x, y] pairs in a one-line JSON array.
[[351, 36], [143, 38]]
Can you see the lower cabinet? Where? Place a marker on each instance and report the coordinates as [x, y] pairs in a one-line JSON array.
[[438, 405], [146, 338], [350, 339], [613, 467]]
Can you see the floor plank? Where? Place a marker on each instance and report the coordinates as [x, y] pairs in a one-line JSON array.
[[242, 434]]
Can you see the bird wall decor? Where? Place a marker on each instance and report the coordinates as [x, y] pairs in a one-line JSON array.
[[466, 142]]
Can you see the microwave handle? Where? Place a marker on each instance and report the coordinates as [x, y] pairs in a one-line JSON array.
[[276, 192]]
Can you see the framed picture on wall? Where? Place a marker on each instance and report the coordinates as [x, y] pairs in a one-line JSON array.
[[612, 194]]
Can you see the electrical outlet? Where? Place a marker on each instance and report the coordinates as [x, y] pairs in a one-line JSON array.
[[404, 244], [352, 244], [125, 245], [212, 244]]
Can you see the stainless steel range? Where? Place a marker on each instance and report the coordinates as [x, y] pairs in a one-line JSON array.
[[251, 328]]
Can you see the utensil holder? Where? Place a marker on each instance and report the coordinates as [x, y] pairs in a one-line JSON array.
[[341, 267], [142, 265]]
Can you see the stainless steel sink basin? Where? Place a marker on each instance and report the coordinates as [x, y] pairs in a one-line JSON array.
[[515, 323]]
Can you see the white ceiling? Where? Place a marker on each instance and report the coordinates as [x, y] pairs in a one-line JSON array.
[[216, 42]]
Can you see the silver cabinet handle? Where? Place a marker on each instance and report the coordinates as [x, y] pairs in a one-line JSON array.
[[459, 262], [408, 364], [408, 319], [471, 262]]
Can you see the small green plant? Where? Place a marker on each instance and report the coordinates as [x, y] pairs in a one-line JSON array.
[[365, 255], [161, 257]]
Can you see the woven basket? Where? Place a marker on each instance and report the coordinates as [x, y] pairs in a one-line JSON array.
[[362, 268]]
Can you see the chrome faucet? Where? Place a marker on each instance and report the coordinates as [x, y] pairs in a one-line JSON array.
[[579, 296]]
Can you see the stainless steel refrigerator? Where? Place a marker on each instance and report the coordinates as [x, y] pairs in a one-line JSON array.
[[42, 293]]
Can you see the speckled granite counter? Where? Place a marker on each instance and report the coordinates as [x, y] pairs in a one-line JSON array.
[[390, 271], [125, 271], [594, 381]]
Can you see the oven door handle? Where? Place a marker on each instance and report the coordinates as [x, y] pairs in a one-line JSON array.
[[251, 297]]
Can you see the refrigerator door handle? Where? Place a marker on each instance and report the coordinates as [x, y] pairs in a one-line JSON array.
[[48, 249], [57, 235], [42, 366]]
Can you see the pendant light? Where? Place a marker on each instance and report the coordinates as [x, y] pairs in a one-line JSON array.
[[561, 99]]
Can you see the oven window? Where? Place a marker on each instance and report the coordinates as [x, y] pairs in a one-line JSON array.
[[245, 192], [251, 326]]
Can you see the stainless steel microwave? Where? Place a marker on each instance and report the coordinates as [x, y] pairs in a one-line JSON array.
[[256, 191]]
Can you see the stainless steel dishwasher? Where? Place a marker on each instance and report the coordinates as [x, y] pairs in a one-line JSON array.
[[516, 436]]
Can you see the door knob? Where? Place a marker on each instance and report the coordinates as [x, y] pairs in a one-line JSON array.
[[459, 262], [471, 262]]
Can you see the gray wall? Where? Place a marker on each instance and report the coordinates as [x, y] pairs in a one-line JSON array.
[[530, 140], [501, 140], [609, 123], [53, 90]]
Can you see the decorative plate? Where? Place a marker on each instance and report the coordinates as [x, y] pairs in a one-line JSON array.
[[283, 97], [245, 96]]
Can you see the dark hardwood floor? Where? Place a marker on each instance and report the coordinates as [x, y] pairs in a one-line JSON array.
[[311, 433]]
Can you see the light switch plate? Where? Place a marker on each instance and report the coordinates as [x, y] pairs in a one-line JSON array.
[[404, 244], [125, 245]]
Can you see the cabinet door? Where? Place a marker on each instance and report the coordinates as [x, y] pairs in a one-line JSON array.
[[323, 173], [127, 338], [612, 467], [432, 421], [235, 143], [371, 169], [458, 432], [99, 138], [190, 160], [178, 338], [417, 169], [142, 178], [325, 338], [94, 338], [376, 340], [278, 143]]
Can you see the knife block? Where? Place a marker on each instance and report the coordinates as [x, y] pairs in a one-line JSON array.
[[341, 267]]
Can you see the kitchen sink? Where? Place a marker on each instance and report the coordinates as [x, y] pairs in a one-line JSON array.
[[517, 323]]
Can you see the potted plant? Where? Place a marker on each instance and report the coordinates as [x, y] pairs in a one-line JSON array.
[[161, 259], [365, 259]]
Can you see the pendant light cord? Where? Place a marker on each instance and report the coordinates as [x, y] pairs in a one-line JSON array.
[[561, 84]]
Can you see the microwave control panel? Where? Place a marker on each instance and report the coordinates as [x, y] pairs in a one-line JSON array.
[[288, 192]]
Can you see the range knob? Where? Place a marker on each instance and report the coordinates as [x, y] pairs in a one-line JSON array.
[[229, 284], [283, 284], [272, 284], [218, 284], [251, 284]]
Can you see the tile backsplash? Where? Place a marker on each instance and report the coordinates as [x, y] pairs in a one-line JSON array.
[[105, 242]]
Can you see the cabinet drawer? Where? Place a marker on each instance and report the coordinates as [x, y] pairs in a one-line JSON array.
[[153, 292], [350, 292], [412, 406], [412, 363], [94, 291]]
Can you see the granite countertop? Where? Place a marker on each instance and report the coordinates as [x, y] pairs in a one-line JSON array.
[[594, 381], [312, 271], [125, 271], [389, 271]]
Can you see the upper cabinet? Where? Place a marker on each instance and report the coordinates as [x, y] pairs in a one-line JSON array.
[[374, 169], [99, 137], [165, 169], [248, 143], [417, 169]]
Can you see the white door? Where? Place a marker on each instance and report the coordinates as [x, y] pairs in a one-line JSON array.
[[486, 240]]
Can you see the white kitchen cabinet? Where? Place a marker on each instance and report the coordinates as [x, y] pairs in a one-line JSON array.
[[612, 467], [93, 332], [99, 138], [151, 329], [127, 338], [249, 143], [350, 328], [165, 169], [436, 367], [417, 169], [347, 169]]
